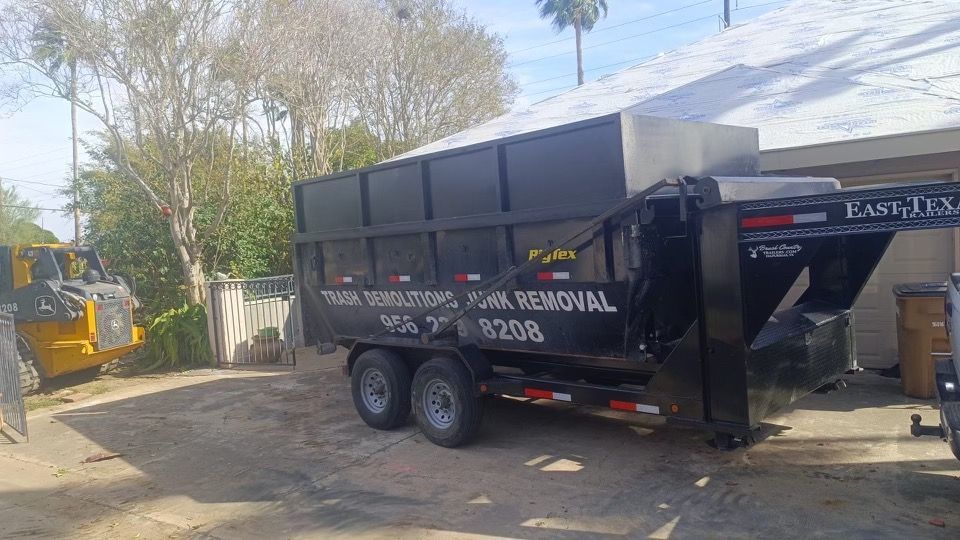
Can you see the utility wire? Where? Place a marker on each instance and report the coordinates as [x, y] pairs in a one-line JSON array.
[[711, 16], [37, 191], [21, 158], [559, 88], [648, 17], [36, 163], [669, 61], [741, 8], [638, 59], [628, 61], [20, 180], [31, 208], [44, 173]]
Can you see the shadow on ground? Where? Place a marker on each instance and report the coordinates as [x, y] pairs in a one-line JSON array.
[[286, 455]]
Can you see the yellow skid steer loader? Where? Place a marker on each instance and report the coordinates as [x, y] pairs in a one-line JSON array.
[[71, 315]]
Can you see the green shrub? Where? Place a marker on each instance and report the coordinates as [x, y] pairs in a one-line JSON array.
[[177, 339]]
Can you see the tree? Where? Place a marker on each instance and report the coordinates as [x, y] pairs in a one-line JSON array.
[[581, 14], [167, 78], [252, 240], [340, 83], [316, 44], [18, 221], [430, 71]]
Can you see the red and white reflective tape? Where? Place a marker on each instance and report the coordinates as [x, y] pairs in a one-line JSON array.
[[546, 394], [466, 277], [340, 280], [399, 279], [552, 276], [790, 219], [635, 407]]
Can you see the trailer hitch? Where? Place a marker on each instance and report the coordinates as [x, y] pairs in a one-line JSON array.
[[918, 430]]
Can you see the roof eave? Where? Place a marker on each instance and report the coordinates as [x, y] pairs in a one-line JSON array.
[[897, 145]]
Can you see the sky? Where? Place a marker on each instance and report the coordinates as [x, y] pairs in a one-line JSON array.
[[35, 140]]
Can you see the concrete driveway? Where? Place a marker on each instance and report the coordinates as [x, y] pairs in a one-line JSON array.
[[253, 455]]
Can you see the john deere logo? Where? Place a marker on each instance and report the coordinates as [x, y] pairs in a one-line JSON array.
[[115, 324], [555, 255], [45, 306]]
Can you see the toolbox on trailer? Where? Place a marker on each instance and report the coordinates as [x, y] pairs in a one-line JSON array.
[[631, 262]]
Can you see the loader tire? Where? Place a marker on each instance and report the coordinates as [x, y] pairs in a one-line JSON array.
[[109, 367], [29, 375]]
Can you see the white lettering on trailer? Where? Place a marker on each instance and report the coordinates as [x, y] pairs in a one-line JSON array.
[[582, 301], [496, 300], [916, 206], [587, 301], [400, 324], [417, 299], [511, 330], [775, 251], [342, 298], [435, 323]]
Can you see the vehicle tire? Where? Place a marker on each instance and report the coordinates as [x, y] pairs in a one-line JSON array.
[[380, 384], [109, 367], [29, 378], [444, 404], [26, 362]]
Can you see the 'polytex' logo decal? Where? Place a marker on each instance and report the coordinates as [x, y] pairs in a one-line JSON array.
[[555, 255]]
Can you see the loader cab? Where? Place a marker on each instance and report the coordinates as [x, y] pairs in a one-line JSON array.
[[74, 267], [70, 313], [79, 264]]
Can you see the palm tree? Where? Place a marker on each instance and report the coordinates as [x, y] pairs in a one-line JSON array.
[[581, 14], [52, 51]]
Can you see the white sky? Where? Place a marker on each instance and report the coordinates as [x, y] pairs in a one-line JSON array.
[[35, 140]]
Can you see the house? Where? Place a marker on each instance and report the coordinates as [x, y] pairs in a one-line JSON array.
[[866, 91]]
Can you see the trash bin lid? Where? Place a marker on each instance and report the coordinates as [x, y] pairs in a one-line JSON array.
[[930, 288]]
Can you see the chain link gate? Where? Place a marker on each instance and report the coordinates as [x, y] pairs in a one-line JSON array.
[[12, 412], [253, 322]]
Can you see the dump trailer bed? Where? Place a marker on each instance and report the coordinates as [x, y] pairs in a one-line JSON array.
[[629, 262]]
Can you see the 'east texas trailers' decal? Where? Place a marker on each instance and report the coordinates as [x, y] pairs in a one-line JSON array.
[[850, 212], [914, 207], [524, 319]]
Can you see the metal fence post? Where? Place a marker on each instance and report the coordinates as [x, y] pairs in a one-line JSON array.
[[12, 410]]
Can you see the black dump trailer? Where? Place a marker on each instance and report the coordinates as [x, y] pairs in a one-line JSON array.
[[629, 262]]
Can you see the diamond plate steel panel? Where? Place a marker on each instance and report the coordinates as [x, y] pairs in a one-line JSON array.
[[114, 323]]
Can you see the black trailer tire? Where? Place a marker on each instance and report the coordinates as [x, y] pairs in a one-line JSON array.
[[444, 403], [380, 384]]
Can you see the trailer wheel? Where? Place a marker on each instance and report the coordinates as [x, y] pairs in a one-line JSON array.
[[444, 404], [380, 383]]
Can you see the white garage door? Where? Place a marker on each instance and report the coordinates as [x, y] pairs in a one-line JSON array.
[[912, 256]]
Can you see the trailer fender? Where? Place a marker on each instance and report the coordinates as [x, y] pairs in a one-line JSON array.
[[416, 353]]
